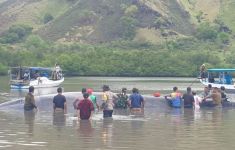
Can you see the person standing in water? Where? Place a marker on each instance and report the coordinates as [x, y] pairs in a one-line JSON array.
[[174, 99], [188, 98], [136, 101], [197, 100], [122, 101], [93, 99], [29, 103], [107, 98], [85, 108], [59, 102]]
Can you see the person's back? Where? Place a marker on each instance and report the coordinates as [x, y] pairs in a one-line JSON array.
[[85, 107], [109, 99], [188, 99], [93, 99], [197, 101], [136, 99], [216, 97], [59, 101], [29, 103]]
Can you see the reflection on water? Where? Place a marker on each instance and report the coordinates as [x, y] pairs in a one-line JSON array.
[[107, 132], [85, 128], [59, 119], [176, 128], [29, 117]]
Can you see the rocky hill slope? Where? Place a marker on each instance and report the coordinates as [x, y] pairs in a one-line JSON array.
[[98, 21]]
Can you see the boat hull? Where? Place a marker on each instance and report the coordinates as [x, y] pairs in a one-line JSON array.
[[228, 87], [41, 82]]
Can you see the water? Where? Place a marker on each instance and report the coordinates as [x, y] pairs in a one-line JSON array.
[[158, 128]]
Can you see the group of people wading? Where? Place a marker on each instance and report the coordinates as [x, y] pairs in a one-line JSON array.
[[211, 97], [87, 105]]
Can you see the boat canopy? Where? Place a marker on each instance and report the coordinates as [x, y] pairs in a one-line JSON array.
[[33, 68], [221, 70], [40, 68]]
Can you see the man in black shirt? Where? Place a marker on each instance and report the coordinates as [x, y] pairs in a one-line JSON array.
[[59, 102], [188, 98]]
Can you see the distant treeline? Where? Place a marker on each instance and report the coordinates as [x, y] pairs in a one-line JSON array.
[[173, 58]]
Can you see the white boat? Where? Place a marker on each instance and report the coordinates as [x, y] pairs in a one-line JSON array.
[[39, 77], [219, 77]]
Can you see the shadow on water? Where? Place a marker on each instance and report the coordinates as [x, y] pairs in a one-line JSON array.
[[85, 128], [59, 120], [107, 131], [29, 117]]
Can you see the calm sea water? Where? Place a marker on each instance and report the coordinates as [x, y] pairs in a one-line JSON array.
[[158, 128]]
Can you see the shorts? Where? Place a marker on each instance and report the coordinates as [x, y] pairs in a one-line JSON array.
[[107, 113]]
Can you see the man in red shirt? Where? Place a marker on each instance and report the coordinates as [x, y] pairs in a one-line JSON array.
[[85, 107]]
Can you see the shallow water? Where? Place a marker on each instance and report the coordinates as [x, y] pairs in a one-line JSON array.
[[159, 127]]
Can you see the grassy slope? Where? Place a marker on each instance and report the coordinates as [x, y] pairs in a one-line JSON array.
[[33, 13], [180, 18], [228, 13], [228, 16], [210, 8], [30, 12]]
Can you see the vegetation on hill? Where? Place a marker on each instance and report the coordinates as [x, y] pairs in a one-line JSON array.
[[116, 37]]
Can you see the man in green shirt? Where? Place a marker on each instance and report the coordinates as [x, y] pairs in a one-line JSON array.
[[29, 103]]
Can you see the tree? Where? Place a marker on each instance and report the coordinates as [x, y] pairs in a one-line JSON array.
[[16, 33], [131, 10], [205, 31], [128, 27], [47, 18], [223, 38]]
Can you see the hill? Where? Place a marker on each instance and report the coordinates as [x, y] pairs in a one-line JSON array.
[[95, 21], [119, 37]]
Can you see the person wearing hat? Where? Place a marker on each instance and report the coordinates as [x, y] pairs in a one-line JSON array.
[[107, 98], [85, 108], [93, 99]]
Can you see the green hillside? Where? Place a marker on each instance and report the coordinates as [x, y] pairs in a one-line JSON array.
[[118, 37]]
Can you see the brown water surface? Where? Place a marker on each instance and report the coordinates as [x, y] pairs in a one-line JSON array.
[[160, 127]]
